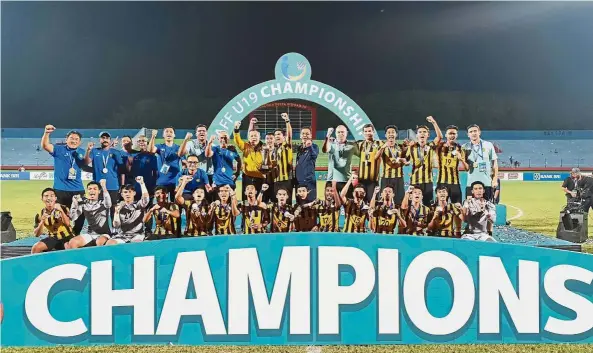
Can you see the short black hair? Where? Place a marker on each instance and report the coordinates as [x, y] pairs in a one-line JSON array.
[[478, 183], [201, 125], [391, 127], [193, 155], [389, 186], [127, 187], [279, 130], [93, 183], [302, 186], [282, 189], [128, 136], [169, 127], [161, 188], [222, 186], [442, 187], [74, 132], [46, 190], [418, 127], [451, 127], [473, 125], [270, 133], [307, 128], [359, 186], [368, 125]]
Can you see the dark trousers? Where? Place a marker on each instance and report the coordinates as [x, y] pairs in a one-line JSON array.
[[286, 185], [454, 191], [427, 193], [211, 196], [247, 180], [398, 188], [339, 187], [65, 198], [369, 187]]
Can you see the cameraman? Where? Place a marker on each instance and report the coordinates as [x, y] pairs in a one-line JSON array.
[[573, 182]]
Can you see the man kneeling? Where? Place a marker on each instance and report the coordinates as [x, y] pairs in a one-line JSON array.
[[129, 215], [95, 212], [478, 212]]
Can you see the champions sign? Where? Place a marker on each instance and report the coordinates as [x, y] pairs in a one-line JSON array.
[[320, 288], [293, 81]]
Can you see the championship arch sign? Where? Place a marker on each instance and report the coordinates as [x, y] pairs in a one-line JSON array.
[[314, 288], [293, 81]]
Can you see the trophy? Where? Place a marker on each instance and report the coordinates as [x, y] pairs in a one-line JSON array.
[[265, 152]]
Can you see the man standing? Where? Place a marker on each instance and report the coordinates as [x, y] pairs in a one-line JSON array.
[[222, 158], [126, 152], [143, 163], [282, 157], [68, 161], [392, 154], [368, 168], [252, 157], [482, 161], [106, 163], [169, 157], [571, 183], [340, 158], [421, 155], [449, 155], [305, 164], [478, 213], [198, 147]]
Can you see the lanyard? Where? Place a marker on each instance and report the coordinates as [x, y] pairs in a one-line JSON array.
[[417, 213], [479, 152], [393, 154], [105, 159], [420, 153], [72, 158]]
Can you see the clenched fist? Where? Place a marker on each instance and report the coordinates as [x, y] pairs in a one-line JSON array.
[[237, 125], [103, 183], [154, 133], [49, 129], [284, 117], [430, 119], [188, 136], [140, 180], [330, 131]]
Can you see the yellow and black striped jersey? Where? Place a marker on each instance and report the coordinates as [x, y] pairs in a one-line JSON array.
[[252, 215], [445, 221], [165, 223], [368, 168], [385, 219], [390, 168], [306, 218], [356, 216], [54, 224], [449, 158], [422, 163], [280, 223], [417, 219], [223, 219], [282, 157], [329, 216], [198, 221]]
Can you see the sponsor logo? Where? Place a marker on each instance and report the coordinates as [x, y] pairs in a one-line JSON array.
[[513, 176], [536, 176], [42, 175]]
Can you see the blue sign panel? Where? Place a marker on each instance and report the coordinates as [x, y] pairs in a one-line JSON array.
[[320, 288], [546, 176], [14, 175]]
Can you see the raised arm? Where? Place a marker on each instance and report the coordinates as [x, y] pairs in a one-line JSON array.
[[179, 191], [106, 197], [495, 170], [326, 144], [406, 199], [183, 146], [237, 136], [344, 191], [288, 128], [64, 215], [45, 144], [40, 224], [234, 207], [437, 129], [151, 146], [116, 219], [252, 123], [374, 198], [87, 156], [208, 152]]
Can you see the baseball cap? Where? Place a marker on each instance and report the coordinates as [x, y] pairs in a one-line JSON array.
[[104, 133], [576, 170]]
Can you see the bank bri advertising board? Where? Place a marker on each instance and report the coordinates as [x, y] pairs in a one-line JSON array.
[[320, 288]]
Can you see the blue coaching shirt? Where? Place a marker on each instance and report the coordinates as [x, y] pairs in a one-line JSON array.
[[222, 160], [169, 161], [145, 164], [305, 164], [110, 159], [200, 178], [64, 159]]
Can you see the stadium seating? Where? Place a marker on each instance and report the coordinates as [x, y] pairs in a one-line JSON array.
[[530, 153]]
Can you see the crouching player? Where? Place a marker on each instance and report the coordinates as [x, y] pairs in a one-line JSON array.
[[446, 219], [385, 215], [281, 213], [328, 210], [198, 220], [478, 212], [224, 211], [54, 218], [356, 209], [166, 215], [129, 215], [96, 213], [305, 215], [415, 213]]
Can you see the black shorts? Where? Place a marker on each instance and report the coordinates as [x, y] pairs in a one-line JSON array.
[[54, 243], [454, 191], [398, 188], [487, 192], [427, 193], [65, 198], [161, 237]]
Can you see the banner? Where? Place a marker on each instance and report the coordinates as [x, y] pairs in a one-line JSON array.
[[546, 176], [319, 288], [14, 175]]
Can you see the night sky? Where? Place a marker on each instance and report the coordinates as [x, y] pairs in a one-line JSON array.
[[63, 62]]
